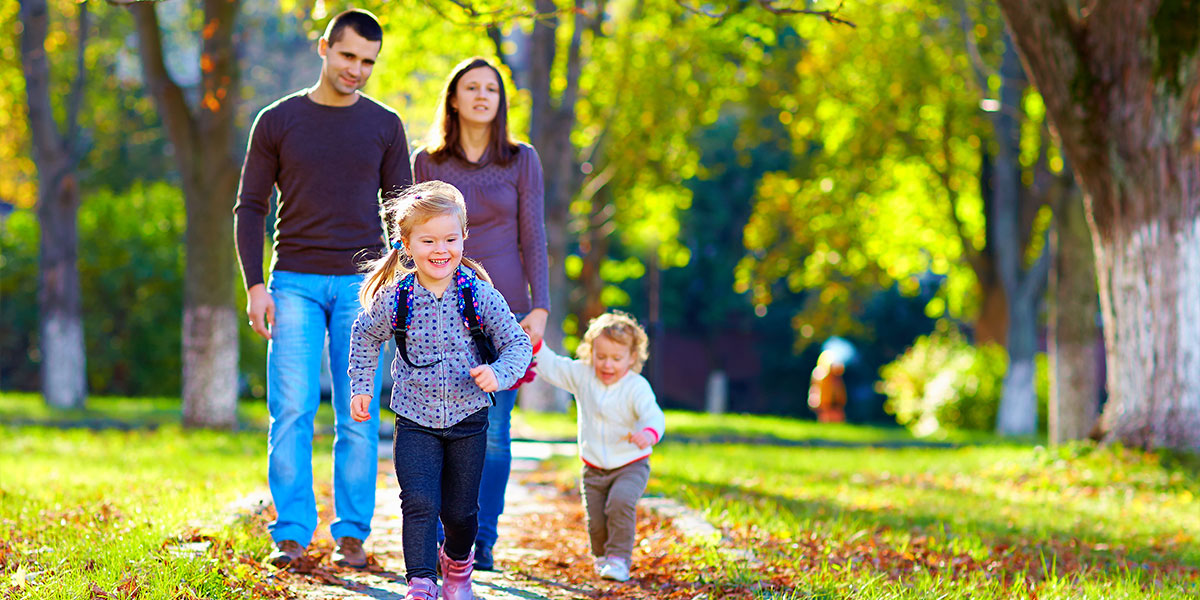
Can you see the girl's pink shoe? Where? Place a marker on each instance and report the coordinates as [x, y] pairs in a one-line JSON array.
[[456, 576], [421, 588]]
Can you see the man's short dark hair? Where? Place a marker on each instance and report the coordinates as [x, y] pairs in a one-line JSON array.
[[362, 22]]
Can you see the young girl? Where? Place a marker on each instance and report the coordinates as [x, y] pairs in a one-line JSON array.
[[422, 292], [619, 420]]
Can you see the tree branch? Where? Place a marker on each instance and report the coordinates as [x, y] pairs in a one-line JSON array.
[[493, 33], [973, 256], [978, 66], [574, 63], [176, 115], [35, 20], [830, 16], [77, 149]]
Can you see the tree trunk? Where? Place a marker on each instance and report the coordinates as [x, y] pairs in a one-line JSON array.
[[1022, 286], [1121, 84], [992, 324], [203, 143], [1018, 404], [1074, 336], [550, 132], [1150, 296], [64, 362]]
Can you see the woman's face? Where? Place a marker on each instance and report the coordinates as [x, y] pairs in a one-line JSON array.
[[477, 97]]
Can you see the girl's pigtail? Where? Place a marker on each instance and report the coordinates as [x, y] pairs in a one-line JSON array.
[[380, 273], [480, 272]]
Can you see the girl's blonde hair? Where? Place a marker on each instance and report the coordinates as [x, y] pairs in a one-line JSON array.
[[414, 206], [621, 328]]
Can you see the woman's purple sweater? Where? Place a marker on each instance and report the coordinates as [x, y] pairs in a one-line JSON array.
[[505, 220]]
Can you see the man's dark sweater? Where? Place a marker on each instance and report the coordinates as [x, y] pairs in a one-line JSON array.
[[330, 164]]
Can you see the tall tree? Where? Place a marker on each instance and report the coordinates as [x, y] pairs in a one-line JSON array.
[[1121, 83], [57, 152], [1075, 380], [203, 140]]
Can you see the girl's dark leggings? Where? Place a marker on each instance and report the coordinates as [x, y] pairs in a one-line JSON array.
[[438, 471]]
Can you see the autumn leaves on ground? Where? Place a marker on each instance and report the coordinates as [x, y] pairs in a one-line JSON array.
[[802, 511]]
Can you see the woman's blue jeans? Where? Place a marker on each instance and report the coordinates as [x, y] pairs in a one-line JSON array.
[[497, 464], [307, 308]]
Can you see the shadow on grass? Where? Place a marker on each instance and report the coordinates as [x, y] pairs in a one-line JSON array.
[[992, 532]]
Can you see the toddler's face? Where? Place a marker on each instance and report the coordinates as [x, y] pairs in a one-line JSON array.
[[436, 247], [611, 359]]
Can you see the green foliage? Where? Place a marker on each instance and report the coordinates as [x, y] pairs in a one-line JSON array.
[[943, 382], [891, 190], [131, 273], [18, 300]]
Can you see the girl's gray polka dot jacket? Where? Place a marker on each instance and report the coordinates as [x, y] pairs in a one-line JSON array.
[[445, 393]]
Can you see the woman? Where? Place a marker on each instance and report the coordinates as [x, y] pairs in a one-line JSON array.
[[501, 180]]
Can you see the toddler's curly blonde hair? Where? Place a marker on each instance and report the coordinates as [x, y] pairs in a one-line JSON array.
[[621, 328]]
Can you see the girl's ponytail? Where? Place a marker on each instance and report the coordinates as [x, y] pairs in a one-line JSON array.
[[480, 272], [380, 273]]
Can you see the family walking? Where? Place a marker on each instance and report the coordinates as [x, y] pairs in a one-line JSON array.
[[459, 280]]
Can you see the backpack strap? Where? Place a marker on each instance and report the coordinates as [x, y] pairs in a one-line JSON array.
[[401, 320], [483, 344], [487, 350]]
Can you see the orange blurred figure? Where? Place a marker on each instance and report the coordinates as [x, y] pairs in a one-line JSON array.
[[827, 392]]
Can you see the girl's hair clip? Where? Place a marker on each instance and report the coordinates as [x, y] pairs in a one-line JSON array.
[[398, 245]]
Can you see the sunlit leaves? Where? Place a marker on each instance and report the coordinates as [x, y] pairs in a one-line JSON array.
[[892, 194]]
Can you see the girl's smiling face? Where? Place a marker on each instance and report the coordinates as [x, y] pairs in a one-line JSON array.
[[611, 359], [436, 248]]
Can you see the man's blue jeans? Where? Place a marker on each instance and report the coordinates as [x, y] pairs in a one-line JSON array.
[[307, 306]]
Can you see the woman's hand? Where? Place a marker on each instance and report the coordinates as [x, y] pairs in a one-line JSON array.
[[534, 324]]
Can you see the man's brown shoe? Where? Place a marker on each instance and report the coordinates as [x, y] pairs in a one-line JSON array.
[[349, 553], [286, 552]]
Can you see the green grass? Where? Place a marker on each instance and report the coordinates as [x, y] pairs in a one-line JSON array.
[[701, 427], [987, 520], [106, 412], [84, 509]]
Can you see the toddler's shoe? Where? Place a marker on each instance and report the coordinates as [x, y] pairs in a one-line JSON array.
[[598, 563], [615, 568], [421, 588]]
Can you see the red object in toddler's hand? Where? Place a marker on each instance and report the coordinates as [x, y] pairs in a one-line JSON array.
[[530, 374]]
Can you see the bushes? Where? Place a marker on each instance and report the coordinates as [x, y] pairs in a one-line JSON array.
[[943, 382], [131, 253]]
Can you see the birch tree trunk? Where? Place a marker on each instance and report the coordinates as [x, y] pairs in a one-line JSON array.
[[56, 154], [1073, 334], [202, 137], [1121, 83]]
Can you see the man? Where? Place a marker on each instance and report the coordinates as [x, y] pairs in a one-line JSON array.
[[330, 150]]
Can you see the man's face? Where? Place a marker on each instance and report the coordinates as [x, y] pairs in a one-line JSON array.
[[347, 63]]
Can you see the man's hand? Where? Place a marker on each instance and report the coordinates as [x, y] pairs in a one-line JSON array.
[[260, 307], [485, 378]]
